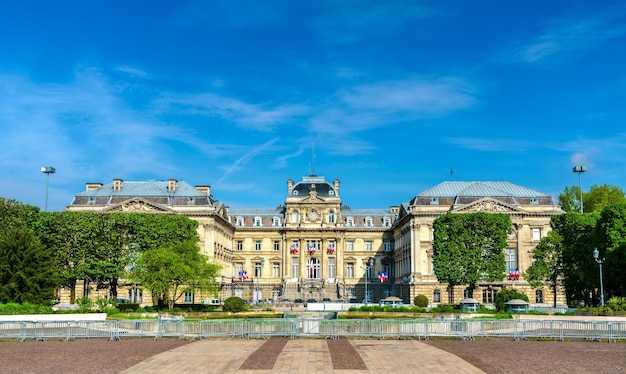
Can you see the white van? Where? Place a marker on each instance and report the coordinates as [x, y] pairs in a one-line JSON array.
[[214, 302]]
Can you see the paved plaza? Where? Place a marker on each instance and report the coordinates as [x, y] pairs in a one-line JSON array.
[[303, 356]]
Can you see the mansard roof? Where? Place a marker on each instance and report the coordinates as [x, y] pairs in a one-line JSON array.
[[462, 192], [349, 212], [256, 212], [155, 191], [313, 182]]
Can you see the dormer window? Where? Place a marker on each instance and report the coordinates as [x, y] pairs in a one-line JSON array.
[[257, 221], [368, 222], [534, 201], [387, 222], [239, 221], [349, 222], [276, 222], [295, 192], [434, 201]]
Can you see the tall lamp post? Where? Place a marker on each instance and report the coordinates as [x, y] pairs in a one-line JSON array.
[[47, 170], [369, 264], [580, 170], [596, 256]]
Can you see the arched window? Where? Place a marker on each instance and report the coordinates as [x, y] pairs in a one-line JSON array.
[[331, 216], [294, 217], [436, 296], [539, 297]]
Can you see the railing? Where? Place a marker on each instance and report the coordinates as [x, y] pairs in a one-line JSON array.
[[330, 329]]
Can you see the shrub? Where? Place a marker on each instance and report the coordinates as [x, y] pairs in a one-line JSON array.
[[505, 295], [618, 304], [84, 304], [421, 301], [233, 304]]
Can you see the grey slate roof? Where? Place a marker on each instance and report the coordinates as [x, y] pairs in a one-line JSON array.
[[348, 212], [144, 189], [481, 189], [235, 212]]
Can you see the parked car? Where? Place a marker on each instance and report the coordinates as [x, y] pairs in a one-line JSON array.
[[326, 300], [311, 301], [298, 301]]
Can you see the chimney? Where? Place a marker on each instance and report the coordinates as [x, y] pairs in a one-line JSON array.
[[336, 185], [204, 189], [394, 209], [289, 184], [117, 184], [172, 184], [92, 186]]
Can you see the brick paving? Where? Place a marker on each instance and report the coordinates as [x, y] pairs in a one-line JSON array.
[[303, 356]]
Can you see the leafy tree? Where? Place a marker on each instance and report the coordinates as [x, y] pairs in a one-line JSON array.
[[174, 269], [599, 197], [610, 236], [547, 264], [468, 248], [233, 304], [27, 272], [596, 199], [569, 199], [578, 240], [506, 295]]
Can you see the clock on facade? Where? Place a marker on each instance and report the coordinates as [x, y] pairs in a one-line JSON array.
[[313, 214]]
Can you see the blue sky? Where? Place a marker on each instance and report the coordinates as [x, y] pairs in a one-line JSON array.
[[393, 95]]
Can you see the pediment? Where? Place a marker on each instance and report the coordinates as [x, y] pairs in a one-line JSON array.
[[313, 198], [488, 205], [138, 205]]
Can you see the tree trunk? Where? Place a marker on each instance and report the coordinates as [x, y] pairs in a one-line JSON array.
[[72, 291]]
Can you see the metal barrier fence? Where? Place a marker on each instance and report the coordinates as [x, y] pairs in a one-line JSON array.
[[330, 329]]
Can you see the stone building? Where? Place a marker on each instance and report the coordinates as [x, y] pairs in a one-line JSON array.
[[313, 246]]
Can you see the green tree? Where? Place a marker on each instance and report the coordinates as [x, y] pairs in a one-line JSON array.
[[27, 272], [468, 248], [547, 266], [610, 239], [594, 200], [505, 295], [599, 197], [174, 269], [569, 199], [578, 239]]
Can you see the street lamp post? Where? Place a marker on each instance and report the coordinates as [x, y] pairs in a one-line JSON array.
[[596, 256], [47, 170], [580, 170]]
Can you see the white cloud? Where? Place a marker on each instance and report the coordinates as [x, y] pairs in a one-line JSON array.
[[565, 37]]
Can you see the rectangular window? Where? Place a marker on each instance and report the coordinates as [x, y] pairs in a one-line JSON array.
[[240, 245], [489, 295], [257, 269], [536, 234], [331, 217], [436, 296], [511, 260], [276, 245], [350, 270], [387, 222], [368, 245], [349, 222], [239, 221], [276, 269], [387, 246], [387, 270], [350, 246], [238, 268], [368, 272], [257, 222], [368, 222], [276, 222], [331, 267], [188, 296], [294, 267], [257, 245]]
